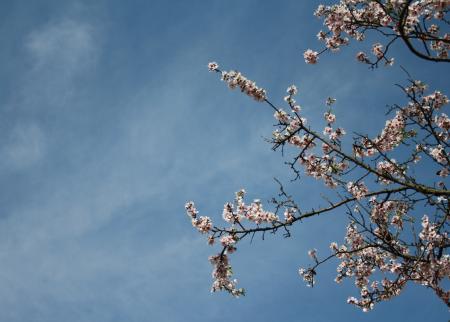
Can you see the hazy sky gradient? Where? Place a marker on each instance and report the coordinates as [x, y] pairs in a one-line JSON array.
[[110, 122]]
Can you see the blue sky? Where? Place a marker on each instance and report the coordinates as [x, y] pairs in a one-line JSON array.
[[110, 122]]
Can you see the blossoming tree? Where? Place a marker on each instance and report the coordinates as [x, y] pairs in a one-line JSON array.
[[398, 229]]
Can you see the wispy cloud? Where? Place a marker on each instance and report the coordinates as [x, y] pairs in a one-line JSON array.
[[67, 46], [26, 145], [61, 52]]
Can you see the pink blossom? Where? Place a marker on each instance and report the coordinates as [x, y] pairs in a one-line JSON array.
[[362, 57], [329, 117], [439, 154], [213, 66], [191, 210], [235, 79], [227, 240], [308, 276], [203, 224], [292, 90], [222, 274], [313, 254], [358, 190], [311, 57], [289, 215], [377, 50]]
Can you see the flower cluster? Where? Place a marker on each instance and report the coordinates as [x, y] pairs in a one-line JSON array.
[[420, 110], [213, 66], [392, 134], [334, 134], [308, 276], [222, 274], [362, 57], [378, 252], [235, 79], [439, 154], [289, 215], [387, 213], [233, 213], [358, 189], [322, 168], [443, 121], [203, 224], [292, 91], [228, 243], [360, 261], [430, 233], [377, 50], [311, 57], [388, 170], [410, 21], [360, 258], [329, 117], [313, 254], [255, 212]]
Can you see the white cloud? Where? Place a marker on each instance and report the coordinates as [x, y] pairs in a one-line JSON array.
[[26, 146], [61, 52], [68, 45]]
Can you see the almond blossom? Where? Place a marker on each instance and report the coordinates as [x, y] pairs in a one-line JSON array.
[[236, 79], [406, 21], [311, 56], [372, 245], [358, 190], [397, 232]]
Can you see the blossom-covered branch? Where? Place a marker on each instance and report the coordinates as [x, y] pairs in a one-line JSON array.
[[420, 25], [392, 186], [381, 238]]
